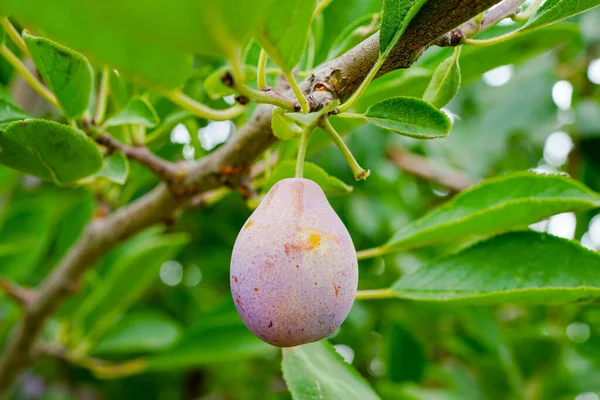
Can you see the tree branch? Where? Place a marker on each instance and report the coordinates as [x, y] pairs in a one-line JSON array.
[[424, 168], [165, 170], [19, 294], [506, 9], [229, 165]]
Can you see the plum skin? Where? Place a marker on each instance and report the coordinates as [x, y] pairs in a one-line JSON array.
[[294, 271]]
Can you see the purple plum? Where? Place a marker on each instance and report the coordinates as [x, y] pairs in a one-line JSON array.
[[294, 271]]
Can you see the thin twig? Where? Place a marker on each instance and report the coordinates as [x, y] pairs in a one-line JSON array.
[[21, 295], [427, 169], [101, 235], [376, 294], [102, 98], [165, 170], [14, 35], [266, 95], [18, 65], [471, 28], [199, 109]]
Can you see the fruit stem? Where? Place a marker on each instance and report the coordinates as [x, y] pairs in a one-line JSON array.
[[304, 107], [261, 78], [358, 171], [320, 7], [196, 108], [372, 253], [15, 36], [302, 152], [102, 97], [375, 294]]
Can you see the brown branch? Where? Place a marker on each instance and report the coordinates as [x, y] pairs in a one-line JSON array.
[[229, 165], [165, 170], [19, 294], [506, 9], [426, 169]]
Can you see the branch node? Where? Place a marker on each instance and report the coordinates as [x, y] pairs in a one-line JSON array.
[[450, 39], [243, 100], [19, 294], [227, 79]]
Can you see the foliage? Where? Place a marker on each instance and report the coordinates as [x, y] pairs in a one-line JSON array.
[[477, 247]]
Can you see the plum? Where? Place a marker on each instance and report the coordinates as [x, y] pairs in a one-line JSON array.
[[294, 271]]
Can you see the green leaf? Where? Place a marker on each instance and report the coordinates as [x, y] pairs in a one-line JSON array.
[[495, 206], [331, 185], [409, 116], [518, 267], [10, 113], [316, 371], [284, 30], [212, 339], [115, 168], [129, 277], [26, 234], [140, 332], [283, 127], [445, 81], [228, 25], [550, 12], [49, 150], [67, 73], [397, 14], [137, 111], [556, 10], [137, 41]]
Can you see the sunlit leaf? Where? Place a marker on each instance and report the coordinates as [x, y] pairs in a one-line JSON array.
[[137, 111], [518, 267], [115, 168], [409, 116], [283, 127], [445, 82], [10, 113], [495, 206], [67, 73], [49, 150], [315, 371], [135, 40], [556, 10], [397, 14], [284, 29]]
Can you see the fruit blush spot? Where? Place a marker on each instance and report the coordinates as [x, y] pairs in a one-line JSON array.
[[297, 198], [315, 240]]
